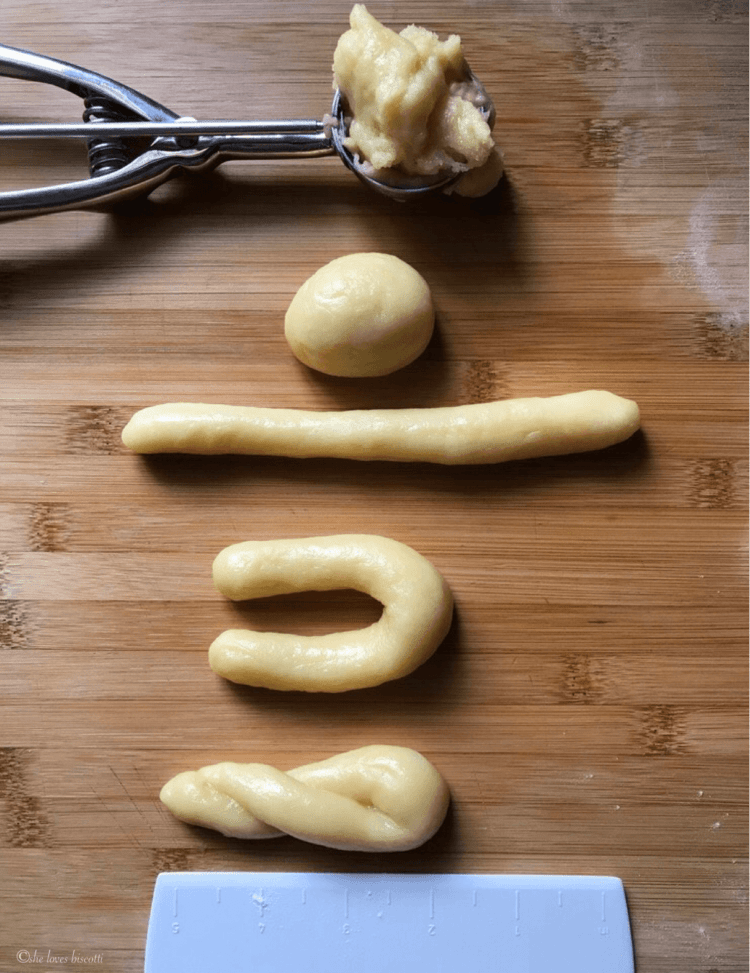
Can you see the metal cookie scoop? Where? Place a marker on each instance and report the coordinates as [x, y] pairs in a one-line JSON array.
[[118, 121]]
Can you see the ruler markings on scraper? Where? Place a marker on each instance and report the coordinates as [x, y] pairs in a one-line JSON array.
[[286, 922]]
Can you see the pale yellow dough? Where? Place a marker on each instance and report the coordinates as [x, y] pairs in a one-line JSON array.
[[376, 798], [414, 109], [488, 432], [417, 612], [363, 314]]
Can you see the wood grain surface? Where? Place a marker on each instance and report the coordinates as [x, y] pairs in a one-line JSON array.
[[589, 706]]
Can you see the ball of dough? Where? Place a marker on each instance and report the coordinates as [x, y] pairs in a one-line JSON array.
[[361, 315]]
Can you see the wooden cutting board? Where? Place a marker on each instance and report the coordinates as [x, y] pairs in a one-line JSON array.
[[589, 705]]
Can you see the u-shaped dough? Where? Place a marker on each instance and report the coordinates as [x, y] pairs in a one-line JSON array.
[[376, 798], [417, 612]]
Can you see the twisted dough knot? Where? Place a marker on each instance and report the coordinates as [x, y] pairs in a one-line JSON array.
[[376, 798]]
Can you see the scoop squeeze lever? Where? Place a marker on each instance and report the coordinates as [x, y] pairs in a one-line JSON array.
[[135, 144]]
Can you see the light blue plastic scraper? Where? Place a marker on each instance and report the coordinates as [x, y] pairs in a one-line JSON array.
[[300, 922]]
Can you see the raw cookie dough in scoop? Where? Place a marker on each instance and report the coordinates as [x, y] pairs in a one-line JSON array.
[[415, 107], [364, 314]]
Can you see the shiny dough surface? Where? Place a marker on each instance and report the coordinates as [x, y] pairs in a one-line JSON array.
[[363, 314], [376, 798], [487, 432], [417, 612]]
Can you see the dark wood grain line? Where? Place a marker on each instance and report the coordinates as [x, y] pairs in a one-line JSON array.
[[718, 336], [14, 625], [713, 484], [605, 142], [172, 860], [727, 11], [94, 429], [483, 382], [662, 731], [581, 681], [49, 527], [597, 47], [26, 823]]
